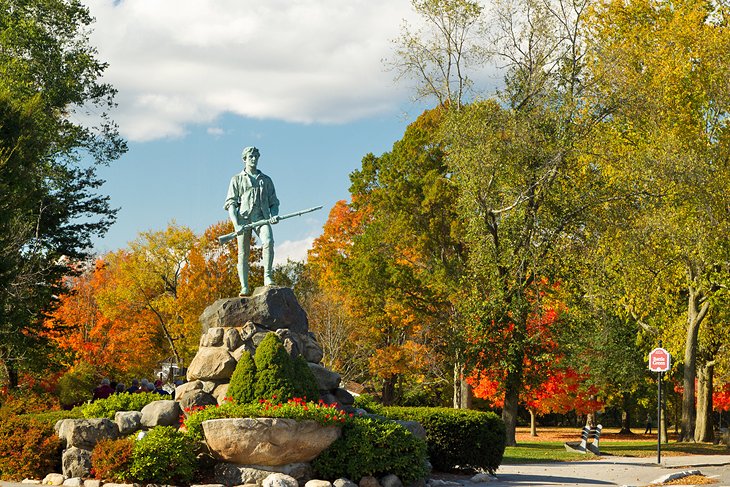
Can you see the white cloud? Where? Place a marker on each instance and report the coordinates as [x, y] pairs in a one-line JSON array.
[[177, 62], [292, 250]]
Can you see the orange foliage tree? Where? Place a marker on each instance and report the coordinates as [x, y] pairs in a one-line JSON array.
[[118, 342]]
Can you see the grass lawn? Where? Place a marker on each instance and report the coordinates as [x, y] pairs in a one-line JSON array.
[[548, 446]]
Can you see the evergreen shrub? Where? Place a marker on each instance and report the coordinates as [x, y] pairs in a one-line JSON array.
[[111, 459], [272, 375], [28, 448], [163, 456], [370, 446], [458, 439]]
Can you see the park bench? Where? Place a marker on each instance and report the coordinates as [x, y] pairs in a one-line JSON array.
[[588, 434]]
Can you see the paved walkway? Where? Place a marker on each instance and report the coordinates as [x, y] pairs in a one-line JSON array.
[[610, 470], [604, 471]]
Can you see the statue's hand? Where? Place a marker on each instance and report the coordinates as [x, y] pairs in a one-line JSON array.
[[274, 220]]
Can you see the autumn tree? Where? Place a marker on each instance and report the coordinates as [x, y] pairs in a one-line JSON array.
[[668, 138], [116, 342], [50, 206]]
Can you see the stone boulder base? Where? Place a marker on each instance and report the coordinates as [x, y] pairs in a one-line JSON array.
[[211, 363], [270, 306], [230, 474], [85, 433], [76, 462], [161, 413], [267, 441]]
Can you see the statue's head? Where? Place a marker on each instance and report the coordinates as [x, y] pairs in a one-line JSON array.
[[250, 151]]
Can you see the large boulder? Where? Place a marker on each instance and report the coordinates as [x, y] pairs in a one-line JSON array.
[[211, 363], [86, 433], [272, 307], [230, 474], [76, 462], [327, 380], [161, 413], [267, 441], [128, 422]]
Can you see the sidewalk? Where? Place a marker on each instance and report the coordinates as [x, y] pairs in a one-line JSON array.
[[605, 471], [608, 470]]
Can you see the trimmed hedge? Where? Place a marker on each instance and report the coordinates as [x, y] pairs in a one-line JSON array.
[[107, 408], [458, 439], [370, 446]]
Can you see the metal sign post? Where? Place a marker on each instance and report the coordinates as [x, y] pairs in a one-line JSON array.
[[660, 361]]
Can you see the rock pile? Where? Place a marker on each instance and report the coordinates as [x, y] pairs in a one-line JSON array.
[[234, 326]]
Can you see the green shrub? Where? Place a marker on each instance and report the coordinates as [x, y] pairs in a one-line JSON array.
[[107, 408], [368, 403], [375, 447], [243, 381], [163, 456], [457, 438], [52, 417], [272, 374], [111, 459], [28, 448], [75, 386]]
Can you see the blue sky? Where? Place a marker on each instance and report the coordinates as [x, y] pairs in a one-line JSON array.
[[198, 80]]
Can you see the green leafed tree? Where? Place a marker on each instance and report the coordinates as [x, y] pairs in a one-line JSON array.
[[50, 206]]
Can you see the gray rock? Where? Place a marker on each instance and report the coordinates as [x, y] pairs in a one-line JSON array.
[[211, 363], [318, 483], [232, 339], [279, 480], [267, 441], [193, 385], [31, 481], [311, 350], [128, 422], [85, 433], [414, 427], [72, 482], [391, 480], [249, 330], [195, 398], [344, 397], [53, 479], [161, 413], [92, 483], [76, 462], [481, 478], [343, 482], [291, 347], [220, 393], [258, 337], [369, 481], [271, 307], [245, 348], [213, 337], [326, 379], [230, 474]]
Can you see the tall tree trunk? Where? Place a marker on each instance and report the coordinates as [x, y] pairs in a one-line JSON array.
[[388, 395], [533, 422], [513, 384], [697, 308], [626, 415], [663, 423], [462, 389], [591, 416], [704, 428]]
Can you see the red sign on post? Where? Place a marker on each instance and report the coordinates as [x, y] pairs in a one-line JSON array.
[[659, 360]]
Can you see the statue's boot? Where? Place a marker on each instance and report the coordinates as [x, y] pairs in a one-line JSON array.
[[243, 277], [268, 257]]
